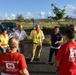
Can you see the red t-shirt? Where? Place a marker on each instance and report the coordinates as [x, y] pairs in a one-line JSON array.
[[67, 57], [13, 63]]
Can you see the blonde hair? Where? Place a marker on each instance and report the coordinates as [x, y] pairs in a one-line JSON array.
[[13, 43]]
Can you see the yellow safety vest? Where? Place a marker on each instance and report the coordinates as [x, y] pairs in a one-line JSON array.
[[37, 37], [4, 40]]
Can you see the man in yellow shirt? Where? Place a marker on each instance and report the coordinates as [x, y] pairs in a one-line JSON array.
[[37, 37]]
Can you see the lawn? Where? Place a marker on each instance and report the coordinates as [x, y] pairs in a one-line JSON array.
[[47, 27], [29, 24]]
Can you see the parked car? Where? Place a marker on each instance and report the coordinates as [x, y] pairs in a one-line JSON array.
[[9, 32], [10, 25]]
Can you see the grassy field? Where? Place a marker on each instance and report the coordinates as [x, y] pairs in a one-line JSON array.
[[29, 24], [45, 24], [47, 27]]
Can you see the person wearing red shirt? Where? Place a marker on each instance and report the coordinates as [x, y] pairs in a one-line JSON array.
[[65, 60], [13, 63]]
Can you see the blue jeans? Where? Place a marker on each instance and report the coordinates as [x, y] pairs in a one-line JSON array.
[[51, 53]]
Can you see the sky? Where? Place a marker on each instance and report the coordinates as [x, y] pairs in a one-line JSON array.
[[9, 9]]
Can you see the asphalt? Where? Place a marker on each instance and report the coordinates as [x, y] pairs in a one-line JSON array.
[[39, 67]]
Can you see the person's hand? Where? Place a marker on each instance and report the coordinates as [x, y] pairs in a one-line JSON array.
[[25, 39], [56, 42], [1, 46]]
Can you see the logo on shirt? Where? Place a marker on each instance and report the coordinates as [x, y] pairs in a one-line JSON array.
[[72, 56], [10, 66]]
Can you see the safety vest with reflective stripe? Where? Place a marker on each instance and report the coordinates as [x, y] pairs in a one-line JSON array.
[[37, 37]]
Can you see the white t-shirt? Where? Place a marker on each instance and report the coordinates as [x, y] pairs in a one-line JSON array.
[[20, 35]]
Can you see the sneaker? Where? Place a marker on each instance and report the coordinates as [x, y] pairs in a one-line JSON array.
[[38, 59], [31, 60]]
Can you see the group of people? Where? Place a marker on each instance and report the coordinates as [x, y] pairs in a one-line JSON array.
[[13, 62], [65, 55], [36, 36]]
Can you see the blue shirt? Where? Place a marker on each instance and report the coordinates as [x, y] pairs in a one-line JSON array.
[[54, 38]]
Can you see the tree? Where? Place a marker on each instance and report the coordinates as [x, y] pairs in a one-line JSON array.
[[59, 13], [20, 18]]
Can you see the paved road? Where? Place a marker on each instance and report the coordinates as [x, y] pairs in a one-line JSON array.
[[39, 67], [36, 67]]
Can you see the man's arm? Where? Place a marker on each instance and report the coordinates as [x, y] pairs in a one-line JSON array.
[[42, 35], [14, 34], [30, 37]]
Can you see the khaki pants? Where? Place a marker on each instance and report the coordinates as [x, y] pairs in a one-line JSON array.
[[35, 47]]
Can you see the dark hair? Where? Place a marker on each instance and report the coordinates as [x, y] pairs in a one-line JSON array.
[[56, 27], [19, 26], [69, 33], [4, 30], [71, 27]]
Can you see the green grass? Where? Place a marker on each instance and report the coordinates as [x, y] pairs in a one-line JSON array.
[[25, 25], [48, 26], [29, 24]]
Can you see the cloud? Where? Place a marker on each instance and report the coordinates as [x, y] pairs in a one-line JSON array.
[[28, 15], [10, 16], [71, 11], [49, 14], [42, 14]]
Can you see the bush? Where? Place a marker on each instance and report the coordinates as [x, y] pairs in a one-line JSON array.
[[48, 31]]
